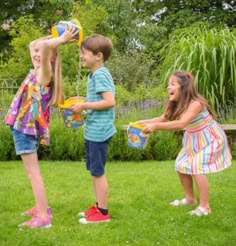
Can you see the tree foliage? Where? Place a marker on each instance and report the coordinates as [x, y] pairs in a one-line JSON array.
[[90, 15], [161, 18], [131, 24], [44, 12], [144, 34], [23, 31]]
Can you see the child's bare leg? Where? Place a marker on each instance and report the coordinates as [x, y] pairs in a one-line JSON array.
[[187, 184], [31, 165], [203, 189], [101, 190]]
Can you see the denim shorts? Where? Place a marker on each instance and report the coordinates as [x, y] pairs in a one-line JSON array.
[[24, 144], [96, 153]]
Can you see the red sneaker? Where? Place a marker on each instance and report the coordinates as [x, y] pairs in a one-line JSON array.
[[88, 211], [96, 217]]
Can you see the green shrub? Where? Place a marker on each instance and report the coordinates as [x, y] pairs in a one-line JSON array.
[[68, 144], [132, 69], [233, 150], [7, 151], [165, 145], [122, 95]]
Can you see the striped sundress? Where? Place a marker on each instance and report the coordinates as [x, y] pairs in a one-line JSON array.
[[205, 147]]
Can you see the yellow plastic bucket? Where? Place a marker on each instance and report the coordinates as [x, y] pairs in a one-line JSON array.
[[72, 119], [136, 137], [59, 29]]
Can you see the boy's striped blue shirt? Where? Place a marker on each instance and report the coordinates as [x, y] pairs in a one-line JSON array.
[[100, 123]]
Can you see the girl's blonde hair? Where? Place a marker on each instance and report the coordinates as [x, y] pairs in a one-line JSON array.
[[57, 83], [188, 93]]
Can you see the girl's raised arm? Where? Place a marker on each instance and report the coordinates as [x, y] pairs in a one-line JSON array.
[[46, 47]]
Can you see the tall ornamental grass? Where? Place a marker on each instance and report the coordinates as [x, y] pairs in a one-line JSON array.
[[211, 57]]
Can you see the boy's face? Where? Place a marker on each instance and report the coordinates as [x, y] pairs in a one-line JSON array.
[[88, 59]]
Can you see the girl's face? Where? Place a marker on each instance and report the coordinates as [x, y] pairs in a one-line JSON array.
[[173, 88], [88, 59], [35, 57]]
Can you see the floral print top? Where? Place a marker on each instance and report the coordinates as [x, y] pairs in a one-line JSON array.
[[29, 112]]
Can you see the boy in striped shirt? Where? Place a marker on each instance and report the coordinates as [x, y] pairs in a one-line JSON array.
[[100, 102]]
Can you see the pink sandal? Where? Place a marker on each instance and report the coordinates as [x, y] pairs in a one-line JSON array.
[[37, 222]]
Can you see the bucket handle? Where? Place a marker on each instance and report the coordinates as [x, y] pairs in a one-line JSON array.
[[127, 130], [68, 23]]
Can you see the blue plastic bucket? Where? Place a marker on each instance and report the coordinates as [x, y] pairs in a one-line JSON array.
[[72, 119], [136, 137], [59, 29]]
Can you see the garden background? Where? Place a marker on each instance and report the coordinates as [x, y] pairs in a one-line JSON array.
[[151, 39]]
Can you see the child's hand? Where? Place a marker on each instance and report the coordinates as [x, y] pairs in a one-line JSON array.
[[77, 107], [69, 34], [140, 122], [149, 128]]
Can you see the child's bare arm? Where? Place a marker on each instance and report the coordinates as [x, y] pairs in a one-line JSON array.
[[193, 110], [161, 118], [108, 101]]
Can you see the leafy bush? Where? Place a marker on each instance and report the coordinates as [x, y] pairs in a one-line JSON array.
[[227, 112], [132, 69], [165, 145], [68, 144], [74, 87], [7, 151], [211, 56], [23, 32]]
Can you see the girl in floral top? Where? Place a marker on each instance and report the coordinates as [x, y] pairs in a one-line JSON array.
[[29, 113]]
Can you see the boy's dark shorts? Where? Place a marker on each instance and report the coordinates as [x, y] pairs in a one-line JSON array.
[[96, 153]]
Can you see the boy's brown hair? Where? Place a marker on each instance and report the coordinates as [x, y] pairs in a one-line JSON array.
[[97, 43]]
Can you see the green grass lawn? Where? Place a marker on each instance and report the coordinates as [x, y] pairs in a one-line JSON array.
[[138, 202]]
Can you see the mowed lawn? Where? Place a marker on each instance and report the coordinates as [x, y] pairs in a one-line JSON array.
[[139, 197]]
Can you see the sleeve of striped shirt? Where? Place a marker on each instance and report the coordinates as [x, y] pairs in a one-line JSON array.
[[103, 82]]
